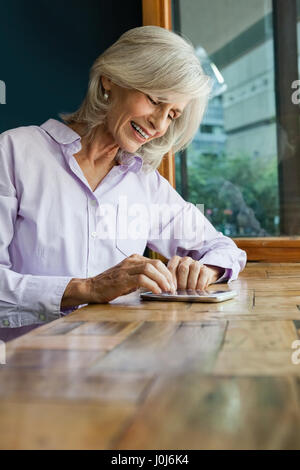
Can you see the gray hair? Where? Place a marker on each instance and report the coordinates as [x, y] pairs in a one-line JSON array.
[[155, 61]]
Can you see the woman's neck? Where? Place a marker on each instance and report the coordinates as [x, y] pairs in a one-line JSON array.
[[100, 152]]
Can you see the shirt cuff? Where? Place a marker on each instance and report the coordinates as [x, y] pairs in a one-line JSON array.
[[225, 277], [65, 311], [43, 294]]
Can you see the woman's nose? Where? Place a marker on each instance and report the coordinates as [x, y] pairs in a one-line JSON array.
[[160, 121]]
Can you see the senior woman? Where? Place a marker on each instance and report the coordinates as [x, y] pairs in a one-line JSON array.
[[64, 187]]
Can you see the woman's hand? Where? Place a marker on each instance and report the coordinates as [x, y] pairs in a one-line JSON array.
[[132, 273], [138, 271], [190, 274]]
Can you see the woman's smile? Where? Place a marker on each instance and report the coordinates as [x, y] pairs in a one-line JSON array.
[[137, 133]]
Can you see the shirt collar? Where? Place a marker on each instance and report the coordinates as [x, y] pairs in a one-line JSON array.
[[63, 134], [60, 132], [132, 162]]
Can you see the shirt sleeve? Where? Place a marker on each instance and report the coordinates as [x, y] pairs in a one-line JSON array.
[[225, 276], [179, 228], [24, 298]]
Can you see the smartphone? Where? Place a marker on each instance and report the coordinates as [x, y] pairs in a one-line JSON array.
[[189, 295]]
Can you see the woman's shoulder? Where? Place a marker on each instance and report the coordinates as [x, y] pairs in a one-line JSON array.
[[156, 181], [160, 189], [19, 136]]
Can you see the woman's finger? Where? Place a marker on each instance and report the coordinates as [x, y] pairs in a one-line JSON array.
[[172, 267], [141, 280], [153, 273], [136, 259], [160, 266], [203, 279], [193, 276], [182, 272]]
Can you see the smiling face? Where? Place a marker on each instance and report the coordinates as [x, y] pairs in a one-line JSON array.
[[136, 118]]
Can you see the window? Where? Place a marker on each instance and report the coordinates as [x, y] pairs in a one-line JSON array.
[[244, 162]]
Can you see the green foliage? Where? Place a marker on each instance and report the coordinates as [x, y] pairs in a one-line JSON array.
[[243, 186]]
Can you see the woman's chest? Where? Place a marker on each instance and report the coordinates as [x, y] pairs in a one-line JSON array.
[[94, 174], [60, 219]]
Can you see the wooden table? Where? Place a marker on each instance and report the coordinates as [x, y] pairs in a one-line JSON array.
[[161, 375]]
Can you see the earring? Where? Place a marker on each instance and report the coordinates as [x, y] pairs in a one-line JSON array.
[[105, 95]]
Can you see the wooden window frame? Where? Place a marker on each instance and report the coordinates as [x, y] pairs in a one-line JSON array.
[[159, 13], [268, 249]]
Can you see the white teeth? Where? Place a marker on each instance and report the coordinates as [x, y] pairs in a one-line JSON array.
[[146, 136]]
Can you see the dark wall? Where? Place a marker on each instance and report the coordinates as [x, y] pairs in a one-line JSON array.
[[47, 48]]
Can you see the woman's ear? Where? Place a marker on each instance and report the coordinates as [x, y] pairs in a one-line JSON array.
[[105, 83]]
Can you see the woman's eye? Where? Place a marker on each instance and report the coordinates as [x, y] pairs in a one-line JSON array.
[[152, 101]]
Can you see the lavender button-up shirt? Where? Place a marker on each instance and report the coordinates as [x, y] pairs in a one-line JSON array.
[[55, 228]]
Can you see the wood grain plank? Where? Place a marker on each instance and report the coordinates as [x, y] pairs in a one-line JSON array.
[[256, 363], [259, 336], [95, 387], [280, 284], [106, 328], [64, 425], [189, 412], [287, 274], [58, 329], [141, 351], [65, 361], [269, 303], [131, 315], [176, 350], [254, 273], [82, 343]]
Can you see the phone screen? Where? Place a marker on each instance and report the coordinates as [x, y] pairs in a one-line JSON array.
[[196, 292], [191, 295]]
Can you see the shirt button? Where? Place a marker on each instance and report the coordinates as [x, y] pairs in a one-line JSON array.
[[94, 234], [42, 317], [94, 203]]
